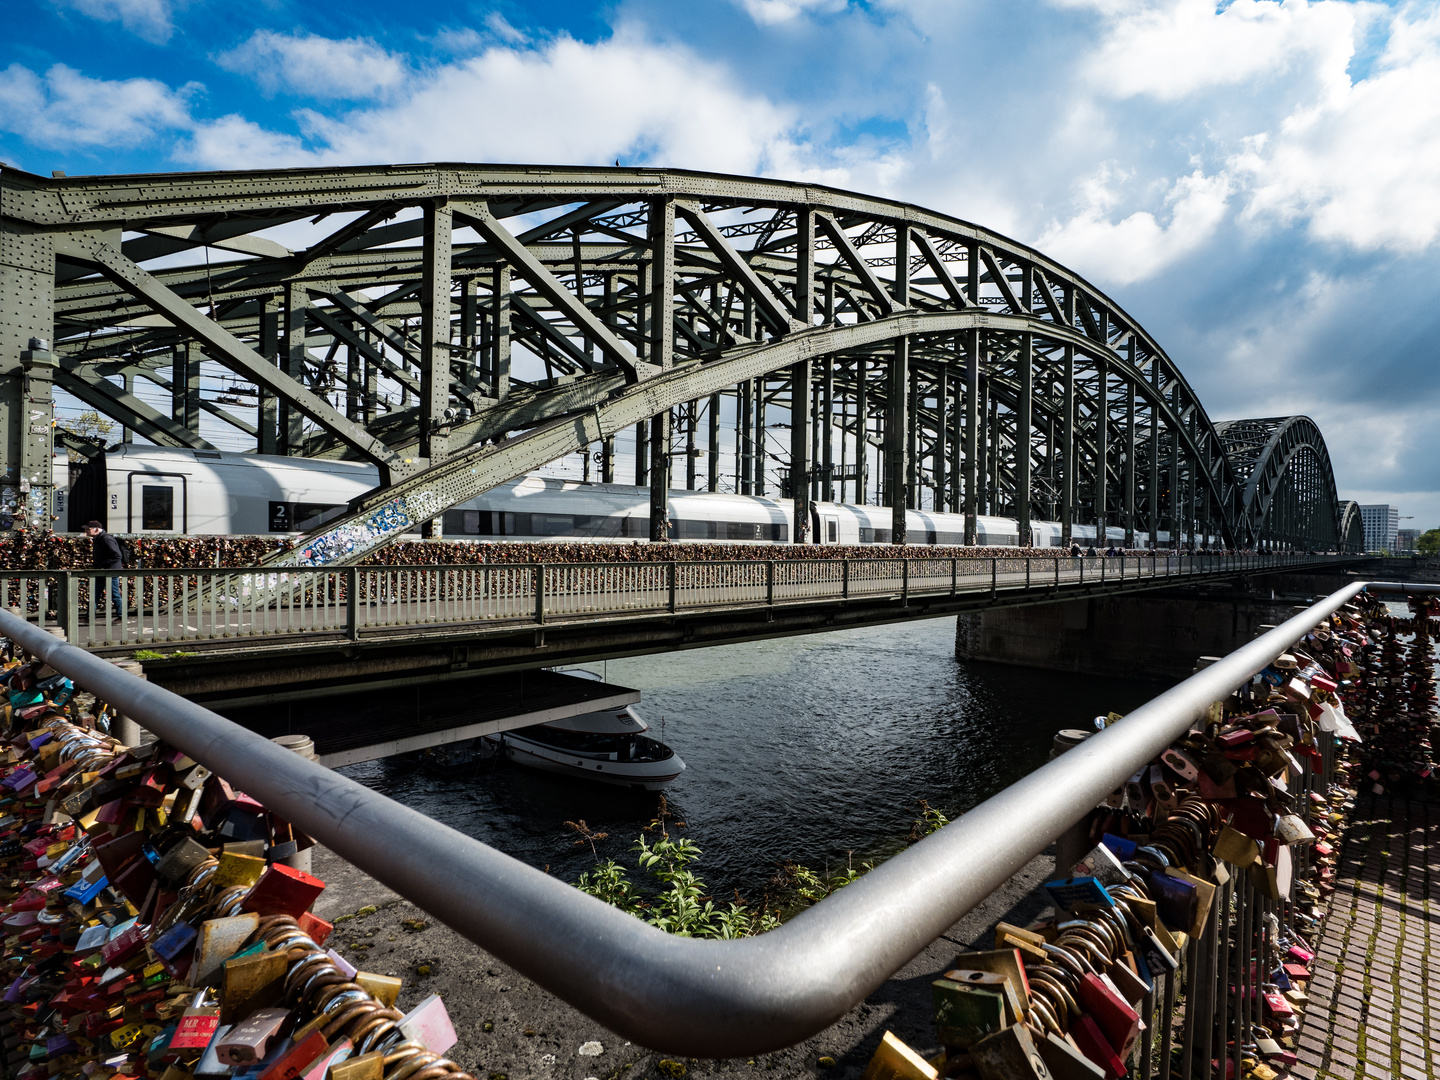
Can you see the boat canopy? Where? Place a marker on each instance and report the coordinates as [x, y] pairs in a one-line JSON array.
[[609, 722]]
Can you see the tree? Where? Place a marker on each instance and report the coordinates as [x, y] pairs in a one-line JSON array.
[[1428, 542], [89, 425]]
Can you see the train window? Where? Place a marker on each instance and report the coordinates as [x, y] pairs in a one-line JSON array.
[[832, 530], [470, 522], [882, 536], [700, 530], [780, 534], [741, 530], [552, 525], [157, 508]]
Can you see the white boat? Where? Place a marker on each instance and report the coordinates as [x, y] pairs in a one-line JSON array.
[[610, 746]]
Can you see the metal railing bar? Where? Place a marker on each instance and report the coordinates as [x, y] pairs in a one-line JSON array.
[[680, 995]]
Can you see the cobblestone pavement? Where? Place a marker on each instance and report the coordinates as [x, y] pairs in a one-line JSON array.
[[1374, 1008]]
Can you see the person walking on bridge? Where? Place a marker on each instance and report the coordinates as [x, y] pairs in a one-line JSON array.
[[106, 554]]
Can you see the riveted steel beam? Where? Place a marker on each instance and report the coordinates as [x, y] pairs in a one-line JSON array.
[[224, 347]]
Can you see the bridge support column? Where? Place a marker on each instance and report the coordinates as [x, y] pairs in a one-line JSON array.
[[862, 430], [500, 340], [897, 439], [1102, 451], [972, 432], [1067, 454], [660, 476], [712, 446], [800, 423], [939, 454], [435, 329], [826, 421], [1024, 434], [692, 448], [744, 434], [27, 315], [760, 439], [1175, 520], [1130, 453], [267, 417], [1153, 488], [913, 448], [956, 467], [185, 385], [291, 432]]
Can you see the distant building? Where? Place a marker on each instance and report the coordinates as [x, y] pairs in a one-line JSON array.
[[1382, 523], [1405, 539]]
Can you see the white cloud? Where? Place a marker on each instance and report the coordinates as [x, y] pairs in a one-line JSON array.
[[770, 12], [1362, 165], [1138, 246], [498, 25], [242, 144], [1174, 48], [568, 101], [66, 109], [318, 67], [148, 19]]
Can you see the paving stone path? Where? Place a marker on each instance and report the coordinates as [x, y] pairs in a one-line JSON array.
[[1374, 1003]]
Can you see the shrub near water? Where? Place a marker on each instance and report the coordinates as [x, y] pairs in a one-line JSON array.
[[676, 900]]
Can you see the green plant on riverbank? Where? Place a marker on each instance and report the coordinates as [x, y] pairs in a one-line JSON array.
[[676, 899]]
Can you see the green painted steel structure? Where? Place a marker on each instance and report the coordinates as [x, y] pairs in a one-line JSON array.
[[916, 359]]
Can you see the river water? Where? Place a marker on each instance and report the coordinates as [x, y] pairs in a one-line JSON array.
[[807, 749]]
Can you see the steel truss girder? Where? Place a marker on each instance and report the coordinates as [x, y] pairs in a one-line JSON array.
[[757, 259], [1284, 461], [420, 497]]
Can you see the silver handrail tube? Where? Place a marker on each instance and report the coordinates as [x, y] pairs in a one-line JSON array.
[[698, 998]]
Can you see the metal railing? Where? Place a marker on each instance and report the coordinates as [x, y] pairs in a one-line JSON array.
[[177, 606], [681, 995]]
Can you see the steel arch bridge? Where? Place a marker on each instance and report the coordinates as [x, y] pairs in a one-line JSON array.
[[1290, 498], [459, 325]]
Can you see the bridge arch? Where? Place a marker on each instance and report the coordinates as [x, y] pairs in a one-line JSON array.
[[1289, 487], [1351, 529], [956, 368]]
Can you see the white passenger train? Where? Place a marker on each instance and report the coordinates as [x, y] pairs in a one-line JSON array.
[[172, 492]]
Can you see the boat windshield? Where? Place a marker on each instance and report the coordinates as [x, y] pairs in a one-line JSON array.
[[624, 747]]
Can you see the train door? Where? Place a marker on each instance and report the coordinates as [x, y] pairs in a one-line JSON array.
[[157, 503], [826, 527]]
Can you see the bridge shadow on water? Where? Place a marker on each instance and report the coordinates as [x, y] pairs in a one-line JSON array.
[[813, 749]]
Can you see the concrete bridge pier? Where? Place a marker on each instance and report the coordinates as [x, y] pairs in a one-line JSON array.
[[1157, 635]]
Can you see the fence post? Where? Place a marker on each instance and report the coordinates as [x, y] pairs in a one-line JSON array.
[[905, 583], [994, 574], [954, 575], [70, 612], [352, 603], [538, 574], [845, 579], [671, 575], [1028, 560], [770, 582]]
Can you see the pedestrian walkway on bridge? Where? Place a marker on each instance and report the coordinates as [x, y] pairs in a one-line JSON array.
[[1374, 1009]]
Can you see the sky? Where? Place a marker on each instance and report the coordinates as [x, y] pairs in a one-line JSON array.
[[1256, 181]]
